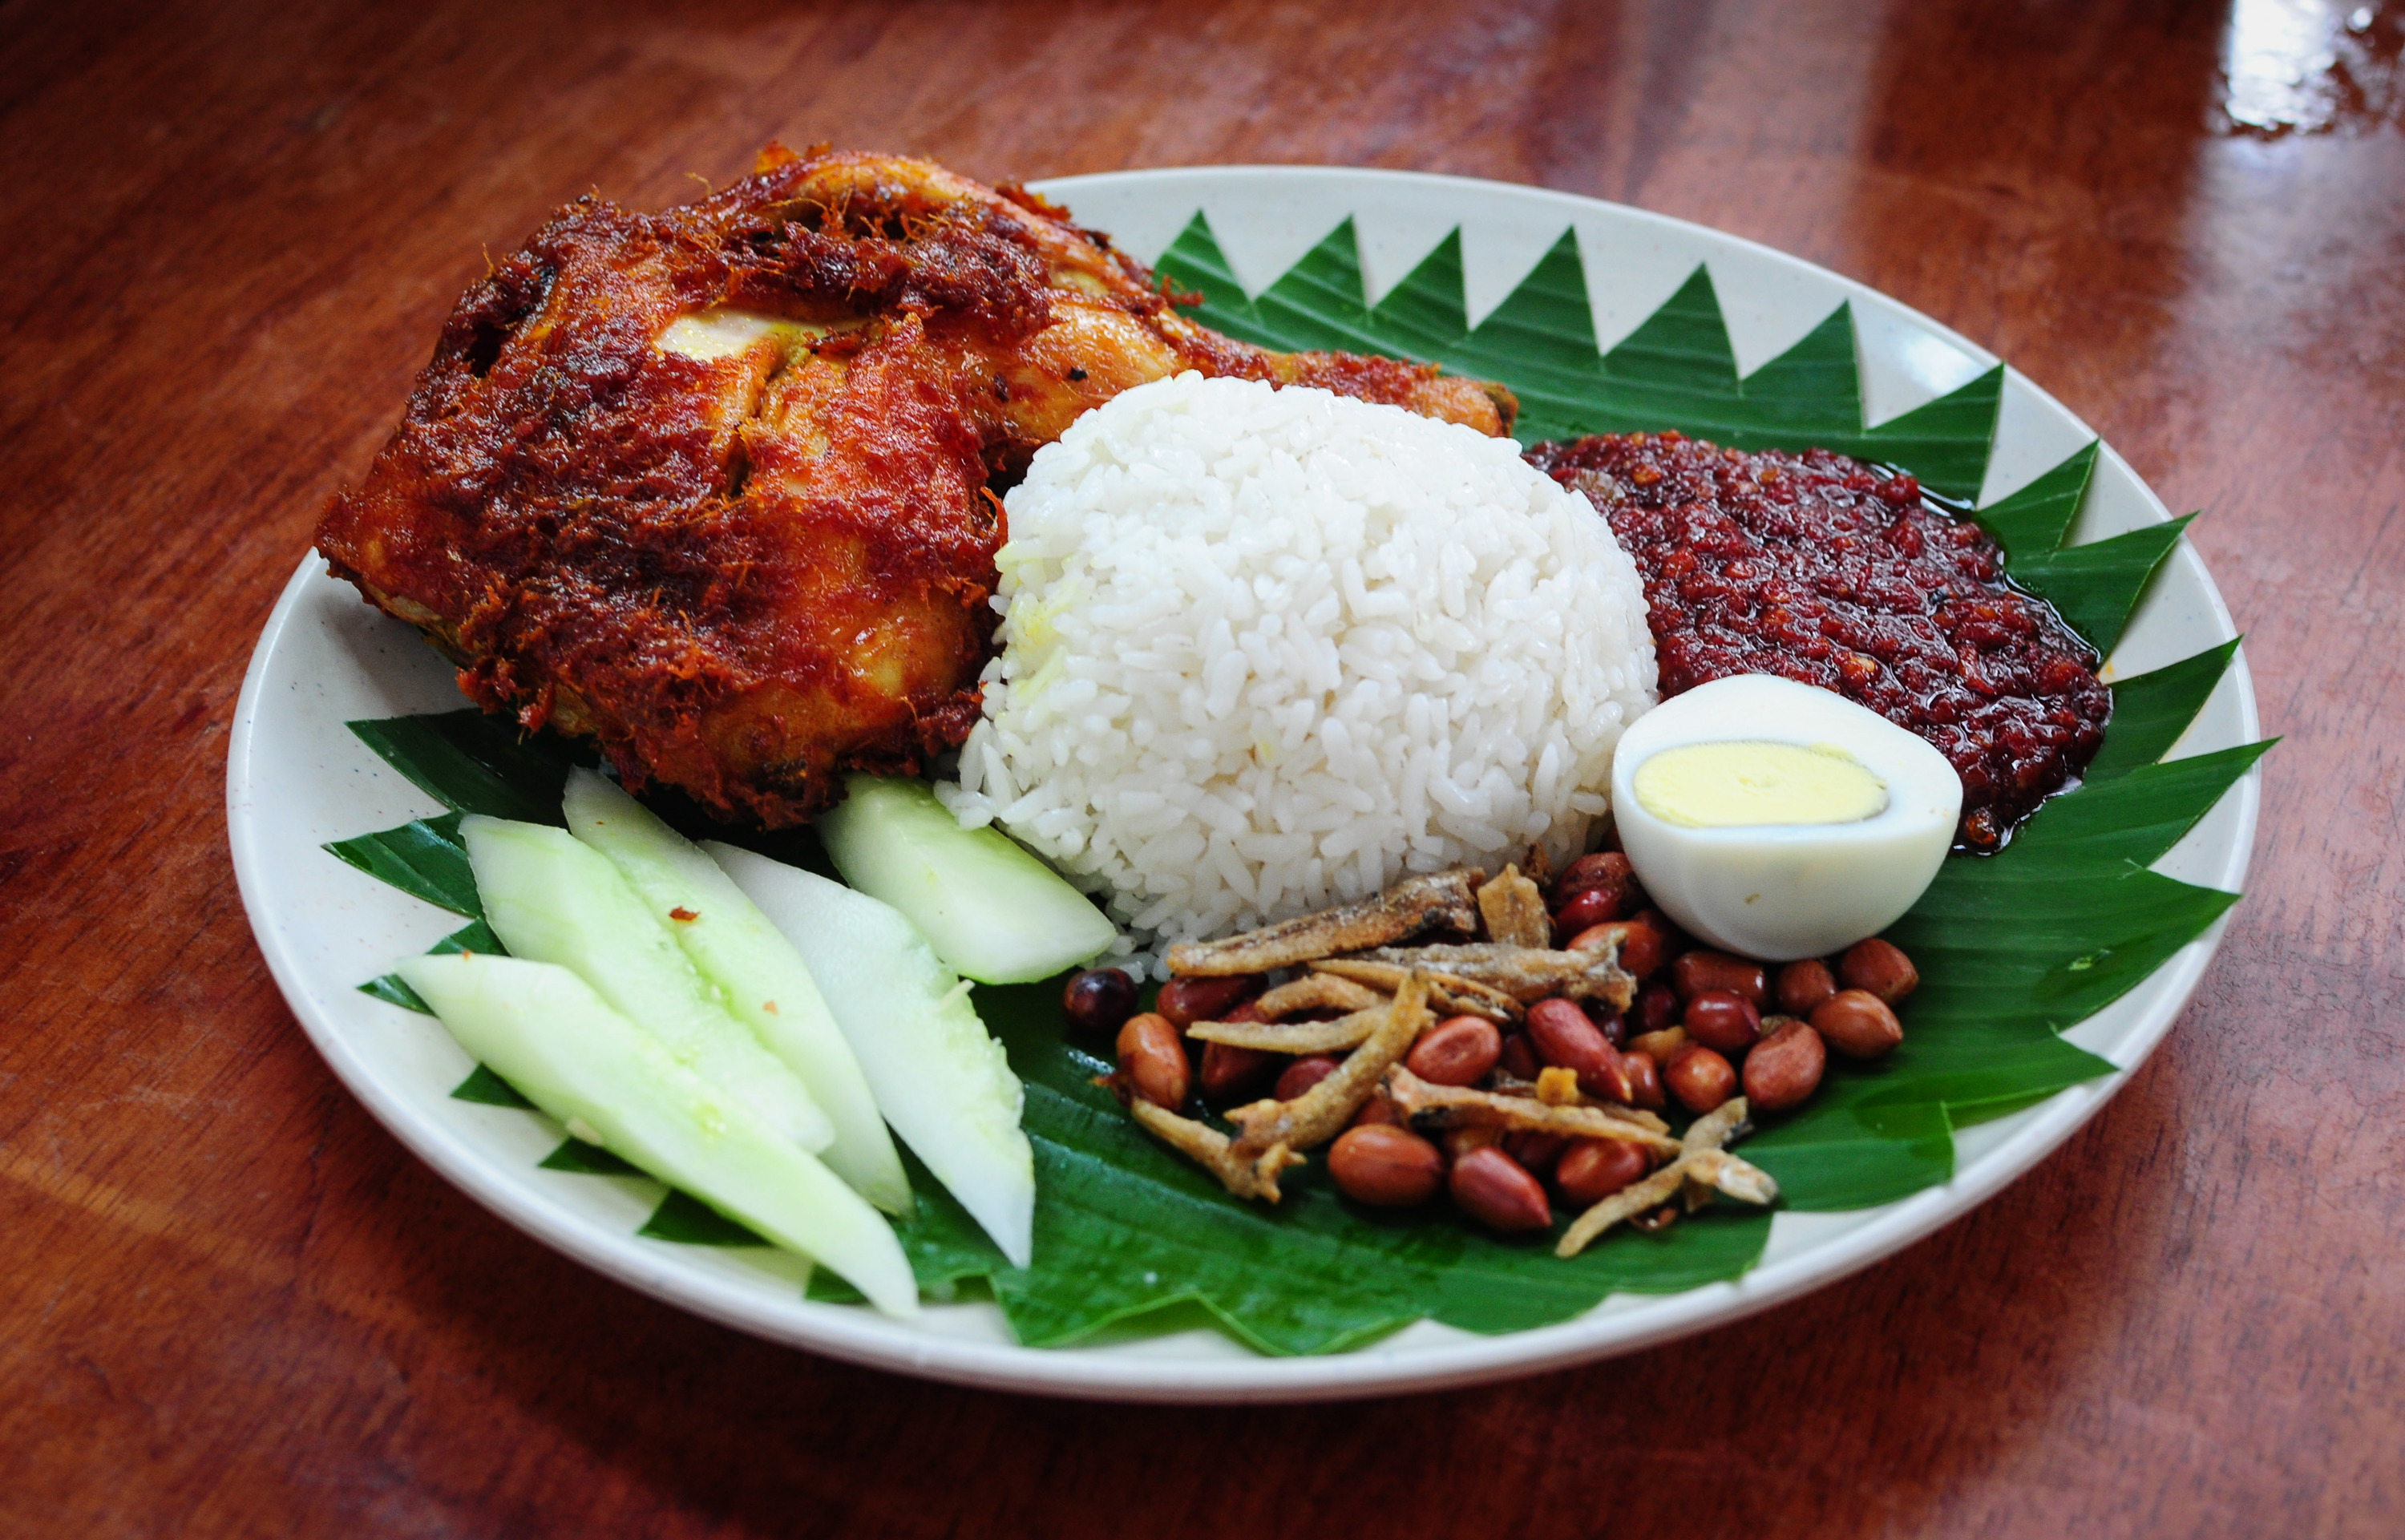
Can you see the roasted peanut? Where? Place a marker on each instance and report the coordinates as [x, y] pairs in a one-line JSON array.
[[1152, 1061], [1385, 1167], [1302, 1075], [1641, 946], [1098, 1000], [1722, 1021], [1703, 972], [1878, 968], [1186, 1001], [1563, 1035], [1644, 1080], [1612, 1082], [1660, 1045], [1587, 908], [1456, 1052], [1607, 870], [1644, 948], [1785, 1067], [1499, 1192], [1858, 1024], [1228, 1071], [1594, 1169], [1657, 1007], [1376, 1112], [1536, 1151], [1519, 1059], [1458, 1142], [1699, 1078], [1802, 986], [1674, 941]]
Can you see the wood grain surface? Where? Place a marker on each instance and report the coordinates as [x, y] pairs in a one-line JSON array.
[[230, 1304]]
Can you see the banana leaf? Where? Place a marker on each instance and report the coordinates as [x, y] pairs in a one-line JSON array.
[[2013, 948]]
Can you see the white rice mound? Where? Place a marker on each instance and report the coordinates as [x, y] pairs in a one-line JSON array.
[[1264, 650]]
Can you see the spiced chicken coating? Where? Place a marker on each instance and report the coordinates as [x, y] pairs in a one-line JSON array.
[[716, 486]]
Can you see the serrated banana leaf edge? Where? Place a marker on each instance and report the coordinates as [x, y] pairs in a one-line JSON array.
[[2012, 947]]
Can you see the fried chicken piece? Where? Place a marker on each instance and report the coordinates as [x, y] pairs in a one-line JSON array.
[[717, 486]]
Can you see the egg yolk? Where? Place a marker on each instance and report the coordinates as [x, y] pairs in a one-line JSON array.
[[1744, 783]]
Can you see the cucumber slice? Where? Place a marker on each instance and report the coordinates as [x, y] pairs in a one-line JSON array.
[[760, 976], [941, 1079], [992, 911], [544, 1030], [550, 900]]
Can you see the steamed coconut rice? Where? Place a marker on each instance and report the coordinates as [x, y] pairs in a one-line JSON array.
[[1266, 650]]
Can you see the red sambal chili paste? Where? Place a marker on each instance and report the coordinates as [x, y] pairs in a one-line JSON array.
[[1829, 571]]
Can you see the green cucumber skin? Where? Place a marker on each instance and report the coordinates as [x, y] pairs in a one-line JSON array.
[[749, 960], [545, 1031], [940, 1078], [551, 899], [992, 911]]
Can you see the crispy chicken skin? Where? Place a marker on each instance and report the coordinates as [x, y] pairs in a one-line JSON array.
[[716, 486]]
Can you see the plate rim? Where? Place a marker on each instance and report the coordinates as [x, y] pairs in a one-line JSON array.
[[859, 1336]]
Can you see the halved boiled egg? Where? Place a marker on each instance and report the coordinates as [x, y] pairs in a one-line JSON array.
[[1779, 820]]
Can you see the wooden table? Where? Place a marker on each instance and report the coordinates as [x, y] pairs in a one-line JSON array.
[[231, 1304]]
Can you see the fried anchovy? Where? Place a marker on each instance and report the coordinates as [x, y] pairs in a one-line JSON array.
[[1629, 1202], [1320, 1114], [1702, 1161], [1348, 1031], [1513, 909], [1447, 993], [1506, 1086], [1710, 1170], [1538, 866], [1460, 997], [1526, 973], [1210, 1149], [1448, 900], [1432, 1108], [1718, 1128], [1319, 992]]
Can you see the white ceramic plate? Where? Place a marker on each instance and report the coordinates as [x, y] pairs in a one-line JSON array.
[[296, 778]]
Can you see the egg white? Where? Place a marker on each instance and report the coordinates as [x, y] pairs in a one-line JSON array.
[[1779, 892]]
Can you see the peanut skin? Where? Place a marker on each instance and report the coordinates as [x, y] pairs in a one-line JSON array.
[[1456, 1052], [1594, 1169], [1099, 1000], [1152, 1061], [1302, 1075], [1803, 986], [1641, 946], [1228, 1071], [1785, 1068], [1703, 972], [1563, 1035], [1720, 1020], [1657, 1009], [1858, 1024], [1385, 1167], [1586, 909], [1537, 1151], [1878, 968], [1699, 1078], [1186, 1001], [1644, 1080], [1499, 1192]]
